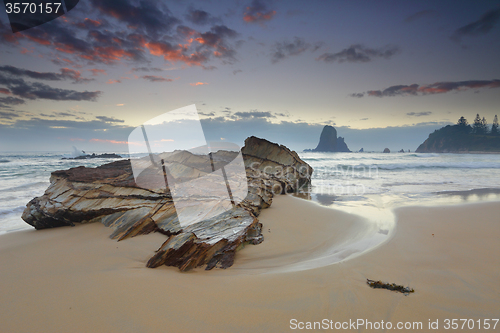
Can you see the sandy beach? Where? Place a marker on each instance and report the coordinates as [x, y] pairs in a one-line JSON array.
[[75, 279]]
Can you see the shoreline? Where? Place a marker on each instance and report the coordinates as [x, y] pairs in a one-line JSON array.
[[77, 279]]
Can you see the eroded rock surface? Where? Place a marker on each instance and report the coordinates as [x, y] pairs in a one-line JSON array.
[[109, 194]]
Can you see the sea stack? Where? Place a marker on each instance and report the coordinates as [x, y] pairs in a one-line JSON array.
[[329, 142]]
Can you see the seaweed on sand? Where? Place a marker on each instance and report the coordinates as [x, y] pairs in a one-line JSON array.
[[390, 286]]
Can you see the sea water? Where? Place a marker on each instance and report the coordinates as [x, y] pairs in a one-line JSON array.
[[26, 175], [373, 183]]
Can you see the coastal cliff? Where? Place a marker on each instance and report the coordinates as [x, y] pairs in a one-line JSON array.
[[459, 139], [109, 194]]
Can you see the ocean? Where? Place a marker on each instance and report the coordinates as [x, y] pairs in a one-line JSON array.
[[368, 184]]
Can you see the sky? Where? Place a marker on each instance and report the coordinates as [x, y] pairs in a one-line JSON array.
[[383, 73]]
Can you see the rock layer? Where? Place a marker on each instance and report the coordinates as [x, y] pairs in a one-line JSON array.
[[109, 194]]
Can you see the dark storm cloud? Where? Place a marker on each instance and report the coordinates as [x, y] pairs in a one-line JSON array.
[[37, 90], [10, 101], [435, 88], [283, 50], [154, 78], [153, 17], [109, 119], [258, 12], [42, 91], [105, 47], [217, 40], [480, 27], [66, 74], [134, 32], [7, 115], [359, 53], [200, 17], [420, 14], [419, 114], [92, 24]]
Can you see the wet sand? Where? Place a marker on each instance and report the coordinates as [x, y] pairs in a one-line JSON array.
[[78, 280]]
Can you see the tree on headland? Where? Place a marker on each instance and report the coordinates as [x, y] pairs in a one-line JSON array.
[[484, 125], [462, 122], [480, 125], [494, 127], [463, 137]]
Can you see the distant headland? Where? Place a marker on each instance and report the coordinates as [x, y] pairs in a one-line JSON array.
[[464, 138]]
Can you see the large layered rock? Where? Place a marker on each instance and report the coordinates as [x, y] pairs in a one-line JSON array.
[[109, 194]]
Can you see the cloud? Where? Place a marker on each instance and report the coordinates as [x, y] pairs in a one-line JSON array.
[[258, 12], [39, 123], [146, 69], [216, 40], [113, 81], [154, 78], [96, 72], [421, 14], [200, 17], [435, 88], [152, 17], [419, 114], [198, 83], [37, 90], [110, 141], [136, 30], [66, 74], [359, 53], [89, 24], [480, 27], [5, 101], [357, 95], [283, 50], [236, 71], [37, 134], [7, 115], [300, 135], [110, 119], [63, 114], [254, 114]]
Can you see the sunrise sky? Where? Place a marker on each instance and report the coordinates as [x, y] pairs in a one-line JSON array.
[[384, 73]]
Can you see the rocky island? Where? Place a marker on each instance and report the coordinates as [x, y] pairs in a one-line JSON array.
[[93, 155], [463, 138], [109, 194], [329, 142]]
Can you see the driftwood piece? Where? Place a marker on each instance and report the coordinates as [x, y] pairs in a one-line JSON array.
[[389, 286], [109, 194]]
